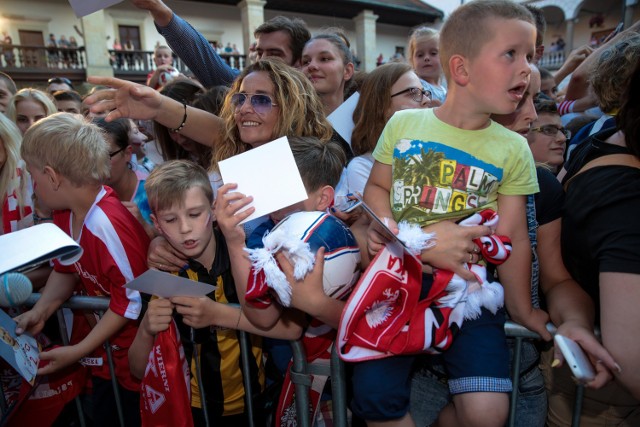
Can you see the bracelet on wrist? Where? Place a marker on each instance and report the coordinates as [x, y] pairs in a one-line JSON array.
[[37, 218], [184, 120]]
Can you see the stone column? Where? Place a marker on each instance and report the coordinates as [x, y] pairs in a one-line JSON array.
[[95, 43], [366, 39], [569, 37], [252, 12]]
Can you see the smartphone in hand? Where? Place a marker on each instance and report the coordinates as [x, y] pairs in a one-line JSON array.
[[575, 357]]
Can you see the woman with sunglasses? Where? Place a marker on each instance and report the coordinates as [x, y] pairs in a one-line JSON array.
[[267, 100]]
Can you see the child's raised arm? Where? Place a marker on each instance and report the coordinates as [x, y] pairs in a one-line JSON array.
[[227, 207], [515, 273]]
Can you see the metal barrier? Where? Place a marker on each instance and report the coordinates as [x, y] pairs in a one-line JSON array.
[[100, 305], [300, 370]]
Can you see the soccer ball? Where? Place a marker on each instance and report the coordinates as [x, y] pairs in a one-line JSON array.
[[342, 254]]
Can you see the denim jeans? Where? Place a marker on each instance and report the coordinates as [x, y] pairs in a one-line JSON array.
[[430, 392]]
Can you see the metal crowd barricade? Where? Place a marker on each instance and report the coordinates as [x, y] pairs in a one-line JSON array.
[[301, 371], [100, 305]]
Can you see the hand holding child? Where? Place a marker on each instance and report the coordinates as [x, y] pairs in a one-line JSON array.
[[163, 256]]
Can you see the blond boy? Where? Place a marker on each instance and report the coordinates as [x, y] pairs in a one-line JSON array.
[[68, 159], [448, 162]]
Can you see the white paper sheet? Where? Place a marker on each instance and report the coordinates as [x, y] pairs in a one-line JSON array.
[[167, 285], [269, 174], [342, 117], [35, 245], [86, 7]]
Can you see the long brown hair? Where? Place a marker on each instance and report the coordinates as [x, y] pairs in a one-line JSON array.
[[369, 115]]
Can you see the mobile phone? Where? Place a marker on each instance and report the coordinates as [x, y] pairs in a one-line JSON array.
[[575, 357]]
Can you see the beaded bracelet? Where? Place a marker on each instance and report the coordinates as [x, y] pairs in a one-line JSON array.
[[184, 120]]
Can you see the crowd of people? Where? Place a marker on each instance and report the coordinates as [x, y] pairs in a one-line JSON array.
[[468, 124]]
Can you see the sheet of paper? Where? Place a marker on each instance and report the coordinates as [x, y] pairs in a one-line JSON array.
[[35, 245], [86, 7], [21, 352], [269, 174], [382, 227], [342, 117], [167, 285]]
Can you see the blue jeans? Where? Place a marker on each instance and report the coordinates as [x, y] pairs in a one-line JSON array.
[[430, 392]]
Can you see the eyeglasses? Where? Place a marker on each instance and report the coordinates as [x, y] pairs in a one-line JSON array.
[[417, 93], [116, 152], [60, 80], [260, 103], [552, 130]]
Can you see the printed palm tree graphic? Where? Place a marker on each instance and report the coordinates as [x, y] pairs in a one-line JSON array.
[[419, 169]]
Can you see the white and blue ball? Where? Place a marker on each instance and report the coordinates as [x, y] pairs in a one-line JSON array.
[[342, 254]]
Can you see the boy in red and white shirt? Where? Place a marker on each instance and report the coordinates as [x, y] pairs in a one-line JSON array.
[[68, 159]]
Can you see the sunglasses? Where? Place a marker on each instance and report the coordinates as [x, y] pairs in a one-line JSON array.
[[116, 152], [552, 130], [260, 103], [417, 93], [60, 80]]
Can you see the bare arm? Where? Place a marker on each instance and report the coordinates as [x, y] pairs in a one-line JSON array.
[[308, 295], [570, 308], [619, 296], [227, 205], [61, 357], [136, 101], [202, 312], [515, 273], [58, 289], [579, 83], [576, 57], [156, 319]]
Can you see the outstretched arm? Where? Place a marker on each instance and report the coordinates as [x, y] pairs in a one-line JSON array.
[[190, 45], [136, 101]]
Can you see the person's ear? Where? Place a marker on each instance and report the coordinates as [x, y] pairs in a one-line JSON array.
[[128, 153], [154, 219], [54, 178], [458, 69], [348, 71], [325, 198]]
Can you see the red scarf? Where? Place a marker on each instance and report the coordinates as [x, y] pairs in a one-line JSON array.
[[165, 394]]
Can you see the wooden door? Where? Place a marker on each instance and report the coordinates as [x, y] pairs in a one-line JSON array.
[[32, 57]]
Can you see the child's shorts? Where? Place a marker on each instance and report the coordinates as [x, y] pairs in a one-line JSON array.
[[477, 361]]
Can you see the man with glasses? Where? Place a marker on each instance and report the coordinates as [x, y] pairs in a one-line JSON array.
[[279, 37], [59, 83]]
